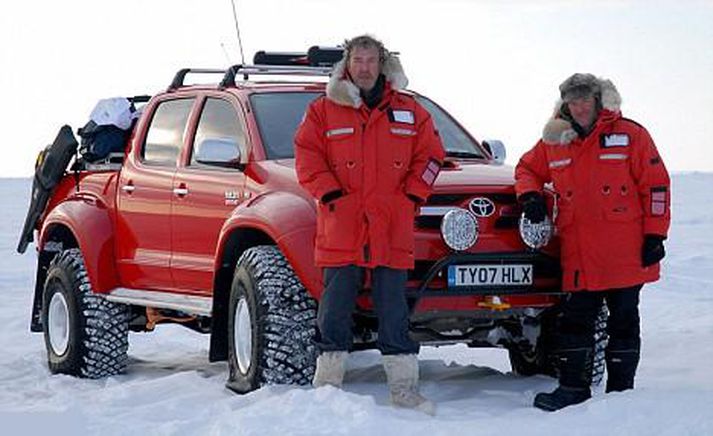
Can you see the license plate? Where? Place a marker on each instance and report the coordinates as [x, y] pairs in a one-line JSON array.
[[490, 275]]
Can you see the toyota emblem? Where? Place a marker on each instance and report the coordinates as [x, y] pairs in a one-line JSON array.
[[482, 207]]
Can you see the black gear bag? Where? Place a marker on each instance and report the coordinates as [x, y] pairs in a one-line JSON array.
[[49, 168]]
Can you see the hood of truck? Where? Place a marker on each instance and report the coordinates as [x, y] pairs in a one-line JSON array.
[[455, 175]]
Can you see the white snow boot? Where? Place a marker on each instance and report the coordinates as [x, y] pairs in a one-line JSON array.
[[402, 377], [330, 369]]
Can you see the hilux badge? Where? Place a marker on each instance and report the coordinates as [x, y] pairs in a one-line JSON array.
[[231, 198]]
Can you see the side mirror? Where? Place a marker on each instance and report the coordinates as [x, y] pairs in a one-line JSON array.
[[221, 152], [496, 149]]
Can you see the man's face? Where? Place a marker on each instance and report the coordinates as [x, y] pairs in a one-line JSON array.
[[583, 111], [364, 67]]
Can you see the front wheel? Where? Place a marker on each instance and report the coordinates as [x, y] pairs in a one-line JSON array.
[[271, 323], [85, 335], [542, 360], [528, 360]]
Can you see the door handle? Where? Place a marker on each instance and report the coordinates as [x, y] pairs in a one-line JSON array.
[[180, 191], [128, 188]]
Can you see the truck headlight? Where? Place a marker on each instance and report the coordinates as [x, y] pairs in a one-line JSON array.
[[459, 229], [535, 235]]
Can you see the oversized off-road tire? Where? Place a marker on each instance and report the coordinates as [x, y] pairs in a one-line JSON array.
[[601, 338], [85, 335], [531, 362], [541, 359], [271, 323]]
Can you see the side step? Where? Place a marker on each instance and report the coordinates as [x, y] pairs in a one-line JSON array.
[[192, 304]]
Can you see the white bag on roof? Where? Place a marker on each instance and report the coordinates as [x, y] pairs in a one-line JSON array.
[[116, 111]]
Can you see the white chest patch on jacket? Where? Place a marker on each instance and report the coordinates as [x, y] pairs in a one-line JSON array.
[[616, 140], [403, 117]]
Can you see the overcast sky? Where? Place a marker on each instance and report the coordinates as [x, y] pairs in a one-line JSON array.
[[495, 65]]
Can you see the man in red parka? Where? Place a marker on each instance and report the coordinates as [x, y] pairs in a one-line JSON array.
[[369, 153], [612, 216]]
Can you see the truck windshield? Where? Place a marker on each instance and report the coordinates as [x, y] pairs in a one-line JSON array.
[[278, 115]]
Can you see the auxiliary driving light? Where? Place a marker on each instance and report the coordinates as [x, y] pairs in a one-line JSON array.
[[459, 229], [535, 235]]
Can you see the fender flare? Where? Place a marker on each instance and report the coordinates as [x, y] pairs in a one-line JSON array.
[[287, 219]]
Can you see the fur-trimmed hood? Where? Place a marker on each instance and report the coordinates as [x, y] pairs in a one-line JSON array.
[[344, 92], [559, 130]]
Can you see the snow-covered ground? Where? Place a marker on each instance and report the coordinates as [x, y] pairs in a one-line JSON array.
[[171, 388]]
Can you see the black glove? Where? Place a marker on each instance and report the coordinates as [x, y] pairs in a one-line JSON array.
[[416, 199], [331, 196], [533, 204], [652, 250]]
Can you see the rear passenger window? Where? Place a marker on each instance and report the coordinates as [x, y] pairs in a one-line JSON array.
[[219, 122], [164, 139]]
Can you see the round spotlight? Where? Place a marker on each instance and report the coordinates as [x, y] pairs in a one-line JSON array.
[[535, 235], [459, 229]]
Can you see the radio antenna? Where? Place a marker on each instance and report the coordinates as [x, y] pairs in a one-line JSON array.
[[237, 30], [225, 53]]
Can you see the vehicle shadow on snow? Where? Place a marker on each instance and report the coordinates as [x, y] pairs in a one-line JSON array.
[[166, 366], [450, 384]]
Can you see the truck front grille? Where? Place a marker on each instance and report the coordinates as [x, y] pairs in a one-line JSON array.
[[506, 216]]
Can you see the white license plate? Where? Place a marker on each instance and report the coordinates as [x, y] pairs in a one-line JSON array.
[[490, 275]]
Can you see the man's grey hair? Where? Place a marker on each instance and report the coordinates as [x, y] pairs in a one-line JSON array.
[[365, 41]]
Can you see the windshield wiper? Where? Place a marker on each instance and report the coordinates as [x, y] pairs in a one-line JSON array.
[[464, 154]]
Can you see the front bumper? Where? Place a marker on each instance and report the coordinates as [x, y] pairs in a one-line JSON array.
[[428, 279]]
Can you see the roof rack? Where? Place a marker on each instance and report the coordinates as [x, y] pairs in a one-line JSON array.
[[246, 71], [180, 76], [139, 98], [270, 70], [317, 61]]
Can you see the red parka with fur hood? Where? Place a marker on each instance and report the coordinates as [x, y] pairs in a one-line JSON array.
[[612, 188], [378, 158]]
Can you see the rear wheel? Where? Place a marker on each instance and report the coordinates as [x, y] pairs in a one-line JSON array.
[[271, 323], [85, 335]]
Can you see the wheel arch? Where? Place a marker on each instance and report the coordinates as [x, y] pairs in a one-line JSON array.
[[77, 223], [92, 230]]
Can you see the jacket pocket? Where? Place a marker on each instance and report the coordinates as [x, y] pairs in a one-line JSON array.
[[622, 213], [401, 227], [564, 217], [613, 168], [401, 144], [395, 158], [342, 154], [560, 173], [339, 224]]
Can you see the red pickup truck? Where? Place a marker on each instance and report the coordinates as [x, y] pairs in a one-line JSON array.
[[201, 222]]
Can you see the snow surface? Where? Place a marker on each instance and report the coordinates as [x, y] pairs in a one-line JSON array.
[[170, 388]]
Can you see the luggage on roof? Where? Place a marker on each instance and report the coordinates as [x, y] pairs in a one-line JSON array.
[[108, 129]]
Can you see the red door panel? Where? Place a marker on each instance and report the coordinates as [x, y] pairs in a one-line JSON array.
[[196, 220]]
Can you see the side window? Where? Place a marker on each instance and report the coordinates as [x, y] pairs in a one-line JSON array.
[[164, 139], [219, 123]]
